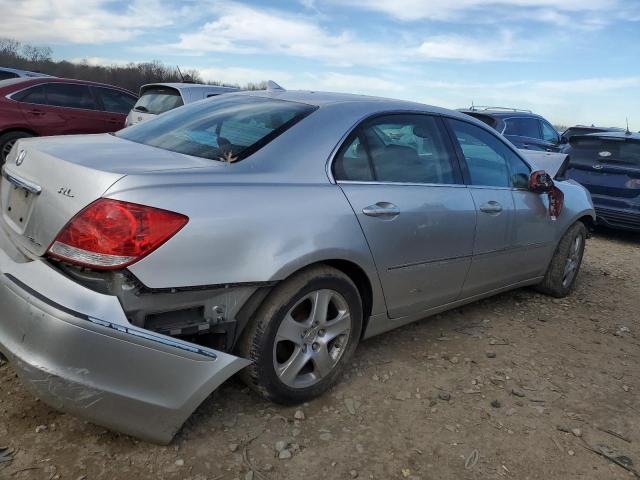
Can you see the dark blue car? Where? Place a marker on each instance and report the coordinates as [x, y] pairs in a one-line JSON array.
[[523, 128], [608, 165]]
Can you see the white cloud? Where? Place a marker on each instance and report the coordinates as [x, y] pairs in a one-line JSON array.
[[243, 29], [409, 10], [455, 47], [87, 21], [363, 84]]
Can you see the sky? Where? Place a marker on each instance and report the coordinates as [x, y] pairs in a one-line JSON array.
[[572, 61]]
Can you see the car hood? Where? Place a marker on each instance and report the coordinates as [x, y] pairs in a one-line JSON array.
[[551, 162]]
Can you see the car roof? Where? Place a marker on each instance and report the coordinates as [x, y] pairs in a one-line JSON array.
[[26, 81], [500, 113], [23, 73], [190, 86], [323, 99]]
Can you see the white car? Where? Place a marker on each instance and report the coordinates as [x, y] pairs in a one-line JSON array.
[[7, 73], [157, 98]]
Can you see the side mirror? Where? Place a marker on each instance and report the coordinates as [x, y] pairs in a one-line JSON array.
[[540, 182], [564, 140]]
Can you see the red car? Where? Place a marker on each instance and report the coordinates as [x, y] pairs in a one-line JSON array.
[[59, 106]]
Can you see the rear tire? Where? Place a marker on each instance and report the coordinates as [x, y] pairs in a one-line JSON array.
[[565, 264], [6, 143], [302, 336]]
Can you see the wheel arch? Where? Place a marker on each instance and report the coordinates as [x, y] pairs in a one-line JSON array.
[[19, 129], [351, 269]]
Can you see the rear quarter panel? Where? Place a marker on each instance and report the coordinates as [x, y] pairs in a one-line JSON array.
[[249, 232]]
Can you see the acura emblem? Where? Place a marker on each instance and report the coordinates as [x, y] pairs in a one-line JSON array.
[[597, 166], [20, 158]]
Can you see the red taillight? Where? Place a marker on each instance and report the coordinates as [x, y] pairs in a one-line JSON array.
[[110, 234]]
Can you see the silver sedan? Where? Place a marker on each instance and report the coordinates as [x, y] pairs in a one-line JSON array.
[[262, 232]]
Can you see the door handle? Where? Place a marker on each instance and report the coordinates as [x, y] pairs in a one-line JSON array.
[[36, 112], [382, 210], [491, 207]]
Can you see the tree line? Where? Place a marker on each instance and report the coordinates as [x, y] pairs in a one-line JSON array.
[[15, 54]]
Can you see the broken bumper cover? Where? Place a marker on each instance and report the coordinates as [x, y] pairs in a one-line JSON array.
[[76, 351]]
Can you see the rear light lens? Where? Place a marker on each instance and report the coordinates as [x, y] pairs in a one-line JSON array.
[[110, 234], [633, 183]]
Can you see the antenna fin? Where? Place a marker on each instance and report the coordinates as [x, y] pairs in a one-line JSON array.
[[274, 87]]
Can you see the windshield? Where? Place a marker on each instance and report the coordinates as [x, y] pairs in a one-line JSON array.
[[158, 100], [605, 150], [226, 129]]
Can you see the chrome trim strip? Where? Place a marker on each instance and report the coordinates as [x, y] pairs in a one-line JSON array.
[[21, 183], [416, 184]]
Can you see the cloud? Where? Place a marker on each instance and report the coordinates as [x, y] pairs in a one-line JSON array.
[[242, 76], [448, 10], [245, 30], [87, 21], [455, 47]]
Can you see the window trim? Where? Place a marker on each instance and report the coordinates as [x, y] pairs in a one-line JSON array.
[[353, 132], [463, 161]]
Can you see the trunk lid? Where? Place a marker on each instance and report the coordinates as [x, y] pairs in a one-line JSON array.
[[606, 165], [46, 181]]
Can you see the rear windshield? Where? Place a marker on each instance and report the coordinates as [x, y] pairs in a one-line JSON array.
[[605, 150], [226, 129], [158, 100]]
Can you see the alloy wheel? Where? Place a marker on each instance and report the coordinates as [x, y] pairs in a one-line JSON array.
[[312, 338]]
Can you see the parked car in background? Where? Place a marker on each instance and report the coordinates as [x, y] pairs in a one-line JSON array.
[[524, 129], [157, 98], [608, 165], [33, 107], [268, 230], [7, 73], [583, 130]]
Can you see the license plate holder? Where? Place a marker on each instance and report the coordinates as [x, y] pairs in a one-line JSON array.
[[18, 206]]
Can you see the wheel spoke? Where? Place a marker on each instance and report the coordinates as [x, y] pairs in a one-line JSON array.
[[341, 325], [320, 300], [291, 368], [322, 361], [291, 330]]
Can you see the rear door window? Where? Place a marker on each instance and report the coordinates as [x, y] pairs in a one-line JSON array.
[[158, 100], [115, 101], [522, 127], [70, 95], [399, 149]]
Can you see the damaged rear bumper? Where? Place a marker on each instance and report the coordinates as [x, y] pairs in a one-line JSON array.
[[75, 350]]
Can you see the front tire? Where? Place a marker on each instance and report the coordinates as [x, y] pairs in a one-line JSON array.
[[565, 264], [302, 336]]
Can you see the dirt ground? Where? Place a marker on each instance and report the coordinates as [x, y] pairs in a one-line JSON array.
[[519, 386]]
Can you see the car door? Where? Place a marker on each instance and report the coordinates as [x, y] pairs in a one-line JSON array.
[[486, 171], [515, 235], [401, 176], [116, 104]]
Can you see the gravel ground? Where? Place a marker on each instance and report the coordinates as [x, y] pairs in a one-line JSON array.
[[518, 386]]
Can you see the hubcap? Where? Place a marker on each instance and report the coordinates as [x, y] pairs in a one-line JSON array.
[[573, 260], [312, 338]]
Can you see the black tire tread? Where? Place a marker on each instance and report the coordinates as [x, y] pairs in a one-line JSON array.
[[254, 336]]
